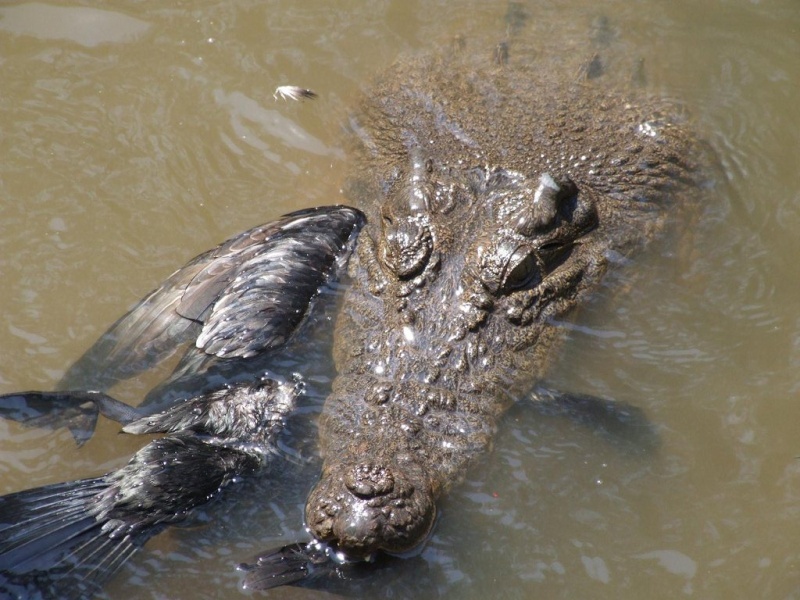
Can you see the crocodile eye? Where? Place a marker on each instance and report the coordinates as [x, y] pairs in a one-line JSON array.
[[522, 270]]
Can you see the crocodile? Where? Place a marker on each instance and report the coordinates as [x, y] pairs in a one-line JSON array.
[[494, 191]]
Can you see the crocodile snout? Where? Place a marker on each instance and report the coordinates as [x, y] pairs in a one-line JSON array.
[[367, 507]]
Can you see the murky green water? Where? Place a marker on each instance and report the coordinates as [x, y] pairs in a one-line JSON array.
[[134, 137]]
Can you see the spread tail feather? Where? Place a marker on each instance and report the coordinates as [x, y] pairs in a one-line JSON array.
[[53, 546]]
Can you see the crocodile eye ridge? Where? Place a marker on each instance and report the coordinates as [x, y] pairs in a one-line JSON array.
[[406, 246]]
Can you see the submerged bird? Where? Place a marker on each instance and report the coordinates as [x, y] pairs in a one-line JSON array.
[[65, 540], [245, 297]]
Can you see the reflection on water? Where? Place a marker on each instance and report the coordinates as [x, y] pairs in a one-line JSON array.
[[136, 136], [85, 26]]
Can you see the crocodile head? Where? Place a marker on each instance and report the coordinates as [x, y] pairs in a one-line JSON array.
[[463, 276], [495, 201]]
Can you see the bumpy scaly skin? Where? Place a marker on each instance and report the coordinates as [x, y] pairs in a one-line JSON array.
[[496, 196]]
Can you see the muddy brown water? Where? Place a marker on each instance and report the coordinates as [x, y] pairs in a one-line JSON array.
[[134, 136]]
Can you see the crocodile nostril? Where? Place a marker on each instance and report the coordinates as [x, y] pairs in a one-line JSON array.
[[368, 481]]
